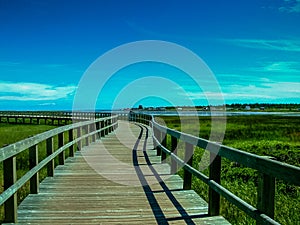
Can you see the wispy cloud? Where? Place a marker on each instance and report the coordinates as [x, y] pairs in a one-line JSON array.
[[267, 90], [290, 6], [281, 45], [33, 91], [279, 67]]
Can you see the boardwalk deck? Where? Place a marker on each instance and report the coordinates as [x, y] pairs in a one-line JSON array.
[[118, 180]]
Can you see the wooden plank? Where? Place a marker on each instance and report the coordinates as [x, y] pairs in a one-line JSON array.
[[71, 138], [266, 195], [50, 150], [78, 194], [61, 156], [10, 177], [16, 148], [215, 175], [283, 171], [188, 158], [33, 161], [174, 142]]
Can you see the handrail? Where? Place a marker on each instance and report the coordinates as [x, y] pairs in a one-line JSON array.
[[61, 115], [269, 169], [94, 128], [284, 171], [18, 147]]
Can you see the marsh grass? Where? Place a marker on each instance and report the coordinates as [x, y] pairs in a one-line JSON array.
[[275, 136], [11, 133]]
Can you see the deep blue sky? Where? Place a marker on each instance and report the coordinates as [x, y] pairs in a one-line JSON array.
[[251, 46]]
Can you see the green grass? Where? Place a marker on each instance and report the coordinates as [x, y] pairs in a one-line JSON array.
[[275, 136], [11, 133]]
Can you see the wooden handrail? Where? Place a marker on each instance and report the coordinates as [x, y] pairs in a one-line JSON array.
[[283, 171], [268, 169], [8, 156], [52, 115]]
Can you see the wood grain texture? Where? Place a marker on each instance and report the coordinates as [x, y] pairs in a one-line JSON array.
[[116, 180]]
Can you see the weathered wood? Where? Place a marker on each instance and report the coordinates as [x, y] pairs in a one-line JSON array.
[[50, 150], [174, 143], [98, 128], [86, 131], [164, 144], [106, 129], [266, 195], [71, 138], [79, 143], [283, 171], [33, 161], [188, 158], [215, 175], [18, 147], [110, 128], [158, 136], [102, 127], [61, 156], [92, 128], [77, 194], [10, 177]]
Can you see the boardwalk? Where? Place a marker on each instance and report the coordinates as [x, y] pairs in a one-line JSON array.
[[118, 180]]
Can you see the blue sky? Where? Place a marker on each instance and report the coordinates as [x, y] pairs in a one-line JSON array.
[[251, 46]]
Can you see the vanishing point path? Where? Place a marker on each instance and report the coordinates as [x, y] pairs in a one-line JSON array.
[[115, 180]]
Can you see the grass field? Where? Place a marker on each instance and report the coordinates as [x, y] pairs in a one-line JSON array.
[[11, 133], [275, 136]]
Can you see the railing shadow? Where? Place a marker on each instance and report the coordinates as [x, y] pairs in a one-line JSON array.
[[156, 209]]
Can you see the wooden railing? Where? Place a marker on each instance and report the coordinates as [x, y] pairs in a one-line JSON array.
[[269, 170], [56, 114], [62, 117], [78, 134]]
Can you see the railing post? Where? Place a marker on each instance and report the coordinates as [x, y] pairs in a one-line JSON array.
[[97, 128], [110, 123], [102, 126], [106, 129], [71, 148], [214, 174], [115, 120], [91, 129], [164, 144], [33, 161], [188, 158], [158, 137], [50, 165], [10, 177], [87, 139], [79, 143], [266, 195], [174, 143], [61, 156]]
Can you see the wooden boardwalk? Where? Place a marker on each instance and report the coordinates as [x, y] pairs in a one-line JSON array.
[[117, 180]]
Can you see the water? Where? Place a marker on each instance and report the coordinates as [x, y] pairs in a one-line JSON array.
[[213, 113]]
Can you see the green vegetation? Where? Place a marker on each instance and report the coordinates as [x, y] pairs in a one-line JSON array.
[[275, 136], [11, 133]]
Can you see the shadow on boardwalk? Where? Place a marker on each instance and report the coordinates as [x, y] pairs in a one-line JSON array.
[[77, 194]]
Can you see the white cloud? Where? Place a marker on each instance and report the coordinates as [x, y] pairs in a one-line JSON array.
[[22, 91], [280, 67], [267, 90], [282, 45], [290, 6]]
